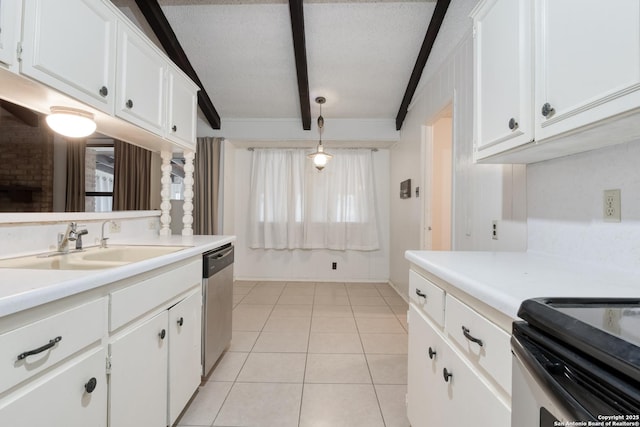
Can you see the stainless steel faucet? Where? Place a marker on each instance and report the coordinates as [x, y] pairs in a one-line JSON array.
[[103, 240], [70, 234], [79, 235]]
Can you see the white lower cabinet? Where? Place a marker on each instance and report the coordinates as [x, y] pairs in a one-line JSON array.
[[128, 354], [138, 380], [185, 343], [424, 391], [74, 395], [449, 381], [469, 400]]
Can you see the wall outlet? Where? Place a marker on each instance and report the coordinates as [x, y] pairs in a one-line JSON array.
[[494, 230], [334, 265], [611, 206], [114, 227]]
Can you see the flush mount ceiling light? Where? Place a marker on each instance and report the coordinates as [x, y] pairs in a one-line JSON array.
[[71, 122], [320, 157]]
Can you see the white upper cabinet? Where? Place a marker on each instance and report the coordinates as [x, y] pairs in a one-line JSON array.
[[504, 76], [181, 108], [565, 71], [9, 31], [587, 62], [71, 46], [141, 81]]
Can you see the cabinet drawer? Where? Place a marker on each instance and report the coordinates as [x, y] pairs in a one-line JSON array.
[[62, 399], [427, 296], [133, 301], [73, 330], [485, 345]]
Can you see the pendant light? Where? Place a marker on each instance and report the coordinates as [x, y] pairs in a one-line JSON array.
[[71, 122], [320, 157]]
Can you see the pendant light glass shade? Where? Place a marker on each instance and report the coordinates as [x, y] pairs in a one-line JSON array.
[[320, 157], [71, 122]]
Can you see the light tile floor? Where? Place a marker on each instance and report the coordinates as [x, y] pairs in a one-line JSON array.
[[307, 354]]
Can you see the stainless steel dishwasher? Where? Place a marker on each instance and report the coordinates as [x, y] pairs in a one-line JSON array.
[[218, 303]]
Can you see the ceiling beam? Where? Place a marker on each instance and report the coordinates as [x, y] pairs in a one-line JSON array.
[[429, 39], [25, 115], [163, 31], [300, 52]]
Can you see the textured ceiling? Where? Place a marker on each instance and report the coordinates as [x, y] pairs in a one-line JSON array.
[[360, 54]]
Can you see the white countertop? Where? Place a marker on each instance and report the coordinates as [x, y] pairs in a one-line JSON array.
[[21, 289], [504, 279]]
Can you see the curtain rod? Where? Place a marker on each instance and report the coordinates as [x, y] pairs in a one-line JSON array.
[[289, 148]]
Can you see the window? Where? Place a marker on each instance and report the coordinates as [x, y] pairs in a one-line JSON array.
[[99, 164], [295, 206]]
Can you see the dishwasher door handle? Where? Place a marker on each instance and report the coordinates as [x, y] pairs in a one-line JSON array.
[[223, 254]]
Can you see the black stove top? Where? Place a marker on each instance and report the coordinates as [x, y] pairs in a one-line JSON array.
[[607, 330]]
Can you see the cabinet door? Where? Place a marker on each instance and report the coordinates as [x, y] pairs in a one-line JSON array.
[[70, 46], [62, 397], [185, 344], [587, 62], [468, 400], [503, 31], [9, 28], [424, 388], [182, 108], [138, 381], [141, 83]]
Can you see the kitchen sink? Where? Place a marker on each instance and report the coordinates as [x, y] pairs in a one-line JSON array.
[[129, 254], [90, 259]]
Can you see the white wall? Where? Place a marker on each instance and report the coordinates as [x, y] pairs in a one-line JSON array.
[[257, 264], [482, 193], [565, 206]]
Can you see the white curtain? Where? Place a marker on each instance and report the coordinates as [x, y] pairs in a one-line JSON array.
[[294, 206]]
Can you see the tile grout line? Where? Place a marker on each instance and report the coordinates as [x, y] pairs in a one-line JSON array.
[[366, 359], [233, 383], [306, 358]]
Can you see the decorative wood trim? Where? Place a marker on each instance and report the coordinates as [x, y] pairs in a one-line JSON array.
[[300, 51], [162, 29], [187, 219], [429, 39], [165, 194]]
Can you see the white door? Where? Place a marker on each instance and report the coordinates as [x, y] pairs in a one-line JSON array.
[[72, 396], [424, 391], [503, 75], [141, 82], [468, 400], [185, 345], [437, 188], [182, 106], [71, 46], [138, 381], [9, 28], [587, 62]]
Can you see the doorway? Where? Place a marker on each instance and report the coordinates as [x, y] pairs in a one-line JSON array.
[[437, 139]]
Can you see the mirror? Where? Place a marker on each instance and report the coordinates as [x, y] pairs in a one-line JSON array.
[[33, 166]]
